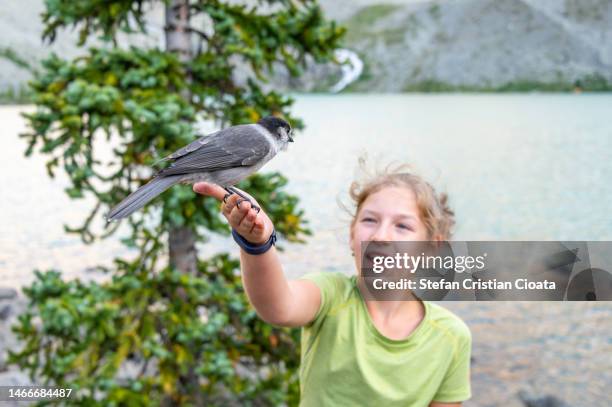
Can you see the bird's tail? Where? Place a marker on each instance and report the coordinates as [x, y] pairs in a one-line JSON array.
[[142, 196]]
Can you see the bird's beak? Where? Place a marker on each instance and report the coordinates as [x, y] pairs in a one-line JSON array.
[[290, 136]]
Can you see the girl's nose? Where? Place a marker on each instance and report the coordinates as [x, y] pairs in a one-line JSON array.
[[381, 234]]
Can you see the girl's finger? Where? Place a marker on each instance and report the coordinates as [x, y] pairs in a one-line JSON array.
[[246, 225], [204, 188], [258, 225], [236, 216], [229, 204]]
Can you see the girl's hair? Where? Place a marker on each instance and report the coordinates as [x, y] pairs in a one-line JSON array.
[[434, 210]]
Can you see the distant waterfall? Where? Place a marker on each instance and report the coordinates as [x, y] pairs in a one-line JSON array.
[[350, 71]]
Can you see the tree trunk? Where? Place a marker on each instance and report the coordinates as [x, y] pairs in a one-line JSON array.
[[183, 255], [178, 39]]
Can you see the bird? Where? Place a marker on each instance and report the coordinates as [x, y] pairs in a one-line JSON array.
[[225, 158]]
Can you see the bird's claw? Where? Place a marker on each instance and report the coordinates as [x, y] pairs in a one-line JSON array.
[[238, 202], [225, 197]]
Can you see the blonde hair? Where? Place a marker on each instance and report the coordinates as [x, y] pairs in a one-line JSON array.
[[435, 213]]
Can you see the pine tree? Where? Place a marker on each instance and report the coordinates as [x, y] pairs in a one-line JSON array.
[[184, 322]]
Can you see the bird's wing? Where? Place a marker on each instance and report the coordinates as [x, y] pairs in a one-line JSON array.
[[188, 148], [235, 146]]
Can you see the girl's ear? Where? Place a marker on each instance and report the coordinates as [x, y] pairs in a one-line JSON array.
[[352, 239], [438, 240]]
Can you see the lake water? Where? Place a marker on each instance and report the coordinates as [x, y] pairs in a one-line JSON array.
[[516, 167]]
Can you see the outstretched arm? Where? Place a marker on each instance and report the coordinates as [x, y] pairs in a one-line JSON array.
[[276, 300]]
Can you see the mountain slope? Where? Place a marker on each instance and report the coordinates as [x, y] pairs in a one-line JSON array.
[[407, 44], [481, 43]]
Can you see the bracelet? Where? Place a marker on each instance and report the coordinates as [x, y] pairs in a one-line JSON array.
[[252, 248]]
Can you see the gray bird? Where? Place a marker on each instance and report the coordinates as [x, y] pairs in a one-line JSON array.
[[223, 158]]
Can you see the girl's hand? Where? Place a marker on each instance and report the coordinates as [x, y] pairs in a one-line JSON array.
[[253, 226], [276, 300]]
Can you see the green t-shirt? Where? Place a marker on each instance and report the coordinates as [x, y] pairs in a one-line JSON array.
[[346, 361]]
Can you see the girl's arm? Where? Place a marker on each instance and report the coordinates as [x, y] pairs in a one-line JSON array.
[[276, 300]]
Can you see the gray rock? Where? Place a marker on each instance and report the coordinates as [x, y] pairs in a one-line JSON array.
[[15, 378], [7, 293], [12, 379], [485, 43], [5, 311], [541, 401]]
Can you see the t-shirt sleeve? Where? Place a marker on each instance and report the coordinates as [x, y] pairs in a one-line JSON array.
[[456, 386], [329, 285]]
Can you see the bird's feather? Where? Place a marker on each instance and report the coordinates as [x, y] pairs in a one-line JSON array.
[[194, 145], [224, 157], [226, 149], [142, 196]]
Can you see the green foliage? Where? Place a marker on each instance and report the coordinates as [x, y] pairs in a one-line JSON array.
[[590, 83], [593, 83], [17, 94], [12, 96], [593, 11], [94, 16], [432, 86], [363, 23], [371, 14], [434, 11], [104, 118], [10, 54], [134, 96], [80, 335], [295, 28]]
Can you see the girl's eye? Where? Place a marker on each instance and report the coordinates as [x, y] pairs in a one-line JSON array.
[[403, 226], [367, 220]]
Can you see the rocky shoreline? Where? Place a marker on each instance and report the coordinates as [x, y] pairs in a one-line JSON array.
[[12, 304]]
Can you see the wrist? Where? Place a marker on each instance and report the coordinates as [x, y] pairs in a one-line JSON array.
[[254, 248]]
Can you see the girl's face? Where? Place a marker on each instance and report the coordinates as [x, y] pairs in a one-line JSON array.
[[390, 214]]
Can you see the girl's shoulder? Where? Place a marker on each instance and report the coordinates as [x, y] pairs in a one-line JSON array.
[[336, 288], [448, 322], [331, 282]]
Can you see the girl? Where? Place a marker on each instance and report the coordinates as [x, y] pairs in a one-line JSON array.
[[358, 351]]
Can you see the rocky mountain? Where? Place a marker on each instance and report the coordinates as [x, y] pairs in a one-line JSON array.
[[404, 45], [482, 44], [20, 42]]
